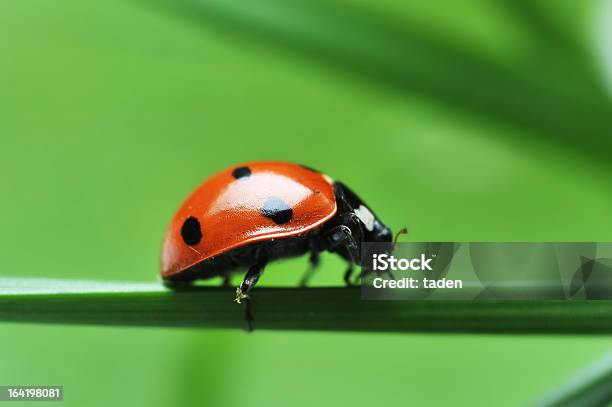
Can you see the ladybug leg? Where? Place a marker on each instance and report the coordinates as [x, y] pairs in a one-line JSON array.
[[314, 260], [227, 282], [342, 241], [347, 275], [249, 281], [242, 292], [248, 315]]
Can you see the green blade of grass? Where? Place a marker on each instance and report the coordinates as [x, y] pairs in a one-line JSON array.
[[323, 309]]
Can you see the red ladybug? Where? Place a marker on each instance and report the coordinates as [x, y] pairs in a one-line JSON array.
[[250, 214]]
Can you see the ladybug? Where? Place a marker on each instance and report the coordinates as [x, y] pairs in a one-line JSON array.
[[254, 213]]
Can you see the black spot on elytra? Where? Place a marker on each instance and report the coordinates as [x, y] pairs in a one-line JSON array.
[[191, 231], [241, 172], [277, 210], [309, 168]]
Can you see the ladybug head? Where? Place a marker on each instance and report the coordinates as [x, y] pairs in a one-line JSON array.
[[372, 228]]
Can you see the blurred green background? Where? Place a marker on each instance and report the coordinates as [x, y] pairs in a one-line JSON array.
[[492, 124]]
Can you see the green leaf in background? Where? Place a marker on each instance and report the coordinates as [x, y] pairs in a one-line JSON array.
[[590, 387], [558, 99]]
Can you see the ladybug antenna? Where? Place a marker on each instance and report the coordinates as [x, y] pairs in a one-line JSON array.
[[402, 231]]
